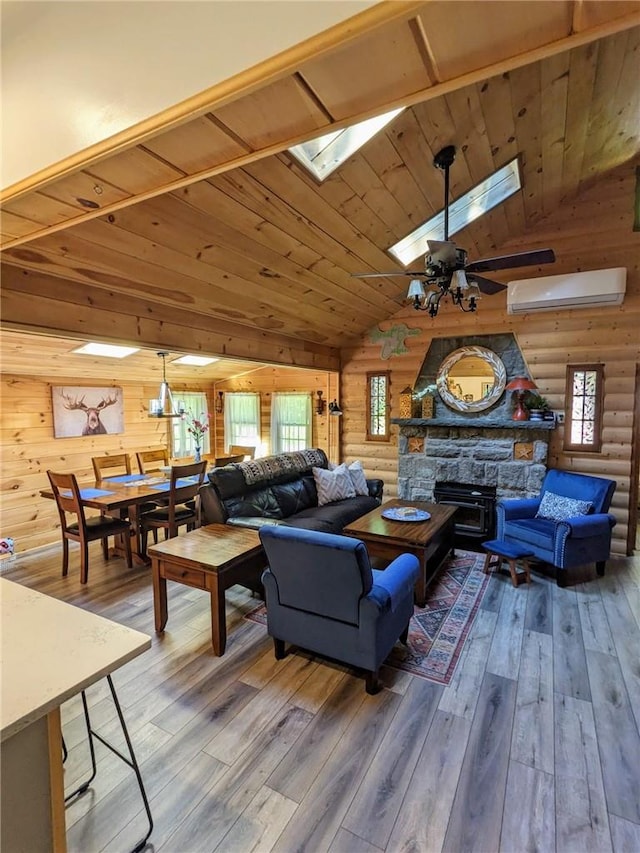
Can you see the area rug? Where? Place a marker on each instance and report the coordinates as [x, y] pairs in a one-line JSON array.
[[437, 631]]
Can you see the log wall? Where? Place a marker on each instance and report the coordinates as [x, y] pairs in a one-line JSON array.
[[593, 233]]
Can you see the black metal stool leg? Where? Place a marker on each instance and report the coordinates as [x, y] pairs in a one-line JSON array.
[[131, 761], [83, 787]]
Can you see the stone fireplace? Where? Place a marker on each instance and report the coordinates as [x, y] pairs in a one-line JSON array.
[[508, 458]]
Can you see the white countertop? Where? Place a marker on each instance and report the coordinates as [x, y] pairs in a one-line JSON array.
[[50, 651]]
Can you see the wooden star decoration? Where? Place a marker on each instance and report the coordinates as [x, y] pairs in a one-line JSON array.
[[415, 445], [523, 450]]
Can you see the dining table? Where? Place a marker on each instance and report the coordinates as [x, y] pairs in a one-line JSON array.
[[128, 492]]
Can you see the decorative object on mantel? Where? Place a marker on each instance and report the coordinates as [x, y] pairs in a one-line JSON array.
[[406, 402], [393, 339], [452, 368], [536, 406], [520, 385]]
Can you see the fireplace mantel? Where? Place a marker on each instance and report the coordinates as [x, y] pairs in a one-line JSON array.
[[473, 423]]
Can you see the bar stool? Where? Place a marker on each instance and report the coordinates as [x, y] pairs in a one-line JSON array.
[[131, 761]]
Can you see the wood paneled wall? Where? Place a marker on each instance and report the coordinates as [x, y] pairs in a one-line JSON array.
[[28, 448], [265, 381], [595, 232]]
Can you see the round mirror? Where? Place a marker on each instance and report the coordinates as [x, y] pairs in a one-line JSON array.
[[471, 379]]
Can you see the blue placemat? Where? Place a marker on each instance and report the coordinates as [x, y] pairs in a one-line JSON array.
[[87, 494], [405, 513], [180, 484], [125, 478]]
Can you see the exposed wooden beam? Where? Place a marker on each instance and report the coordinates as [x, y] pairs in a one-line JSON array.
[[46, 304]]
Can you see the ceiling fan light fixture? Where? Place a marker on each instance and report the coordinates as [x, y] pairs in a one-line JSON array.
[[416, 288]]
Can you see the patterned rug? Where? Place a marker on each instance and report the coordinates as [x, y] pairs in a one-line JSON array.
[[438, 631]]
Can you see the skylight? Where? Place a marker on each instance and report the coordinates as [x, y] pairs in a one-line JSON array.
[[107, 350], [323, 155], [464, 210], [194, 360]]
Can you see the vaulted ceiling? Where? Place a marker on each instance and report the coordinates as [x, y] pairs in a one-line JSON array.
[[208, 222]]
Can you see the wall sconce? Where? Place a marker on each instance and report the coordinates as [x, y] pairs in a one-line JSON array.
[[320, 403], [219, 407], [334, 408]]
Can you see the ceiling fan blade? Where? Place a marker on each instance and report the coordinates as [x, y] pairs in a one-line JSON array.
[[507, 262], [487, 285], [386, 274]]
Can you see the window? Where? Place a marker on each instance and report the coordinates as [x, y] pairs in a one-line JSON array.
[[322, 155], [583, 407], [241, 419], [183, 443], [377, 406], [464, 210], [290, 422]]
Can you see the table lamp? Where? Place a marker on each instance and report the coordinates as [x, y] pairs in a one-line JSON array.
[[520, 385]]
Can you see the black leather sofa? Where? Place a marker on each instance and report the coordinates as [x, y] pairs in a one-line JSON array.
[[280, 490]]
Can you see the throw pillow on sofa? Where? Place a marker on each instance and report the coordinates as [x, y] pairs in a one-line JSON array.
[[559, 508], [333, 485], [357, 476]]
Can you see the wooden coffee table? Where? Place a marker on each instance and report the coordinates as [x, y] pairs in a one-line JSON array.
[[213, 558], [430, 540]]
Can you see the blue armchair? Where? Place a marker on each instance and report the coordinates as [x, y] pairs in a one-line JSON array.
[[567, 525], [322, 595]]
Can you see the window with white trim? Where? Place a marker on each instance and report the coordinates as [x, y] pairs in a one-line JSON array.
[[183, 443], [241, 419], [291, 422]]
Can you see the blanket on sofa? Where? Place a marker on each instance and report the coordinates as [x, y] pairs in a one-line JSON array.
[[260, 470]]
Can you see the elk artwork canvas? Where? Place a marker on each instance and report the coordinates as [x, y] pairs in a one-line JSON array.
[[81, 411]]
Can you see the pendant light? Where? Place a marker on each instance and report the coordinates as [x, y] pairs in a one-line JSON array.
[[163, 406]]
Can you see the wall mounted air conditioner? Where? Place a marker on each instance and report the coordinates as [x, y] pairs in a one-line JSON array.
[[573, 290]]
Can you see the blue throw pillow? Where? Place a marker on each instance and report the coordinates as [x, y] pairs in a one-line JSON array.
[[559, 508]]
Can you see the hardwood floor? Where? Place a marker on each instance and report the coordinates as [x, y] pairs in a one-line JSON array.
[[534, 746]]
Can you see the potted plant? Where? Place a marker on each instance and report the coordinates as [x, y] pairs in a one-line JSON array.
[[537, 405]]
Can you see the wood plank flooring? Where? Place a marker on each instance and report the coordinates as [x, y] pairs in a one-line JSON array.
[[534, 746]]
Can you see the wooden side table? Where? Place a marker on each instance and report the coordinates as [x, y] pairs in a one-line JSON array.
[[212, 558]]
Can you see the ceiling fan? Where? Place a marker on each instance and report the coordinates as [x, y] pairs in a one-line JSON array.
[[447, 272]]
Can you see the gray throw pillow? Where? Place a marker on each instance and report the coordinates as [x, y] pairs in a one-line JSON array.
[[559, 508]]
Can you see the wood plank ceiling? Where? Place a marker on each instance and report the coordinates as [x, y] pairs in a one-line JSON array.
[[212, 218]]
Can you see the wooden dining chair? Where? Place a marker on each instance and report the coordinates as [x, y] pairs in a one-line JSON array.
[[183, 507], [237, 449], [228, 460], [119, 461], [152, 460], [84, 530]]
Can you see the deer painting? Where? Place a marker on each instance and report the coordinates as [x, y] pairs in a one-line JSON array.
[[73, 400]]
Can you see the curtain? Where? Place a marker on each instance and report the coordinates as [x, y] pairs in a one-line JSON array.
[[290, 422], [241, 419], [183, 443]]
